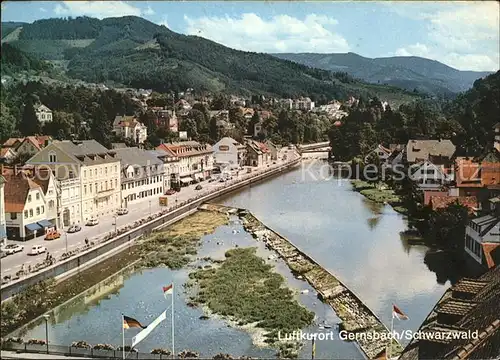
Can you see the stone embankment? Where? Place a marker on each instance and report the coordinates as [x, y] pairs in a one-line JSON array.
[[355, 315]]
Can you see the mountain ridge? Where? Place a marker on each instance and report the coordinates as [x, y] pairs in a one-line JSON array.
[[428, 75], [135, 52]]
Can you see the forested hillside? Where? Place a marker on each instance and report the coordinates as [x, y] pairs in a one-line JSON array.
[[135, 52], [468, 121]]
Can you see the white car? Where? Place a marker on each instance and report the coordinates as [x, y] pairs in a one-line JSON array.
[[92, 222], [38, 249], [12, 249], [122, 211]]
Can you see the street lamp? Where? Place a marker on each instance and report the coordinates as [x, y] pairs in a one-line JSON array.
[[115, 219], [66, 240], [46, 317]]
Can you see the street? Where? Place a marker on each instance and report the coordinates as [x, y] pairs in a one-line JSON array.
[[11, 264]]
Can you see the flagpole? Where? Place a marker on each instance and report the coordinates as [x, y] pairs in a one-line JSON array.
[[123, 336], [392, 329], [173, 343]]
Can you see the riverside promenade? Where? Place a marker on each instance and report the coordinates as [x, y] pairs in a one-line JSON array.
[[119, 236]]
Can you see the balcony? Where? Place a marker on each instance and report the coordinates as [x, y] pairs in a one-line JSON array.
[[69, 182], [104, 193]]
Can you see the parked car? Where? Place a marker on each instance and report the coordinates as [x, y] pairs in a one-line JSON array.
[[92, 222], [37, 249], [3, 254], [170, 192], [12, 249], [122, 211], [53, 235], [198, 187], [74, 229]]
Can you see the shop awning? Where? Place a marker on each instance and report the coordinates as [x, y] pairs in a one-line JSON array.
[[186, 180], [33, 227], [198, 176], [45, 223]]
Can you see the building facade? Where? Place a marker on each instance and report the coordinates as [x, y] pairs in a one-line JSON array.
[[196, 161], [142, 176], [43, 113], [130, 128], [87, 176], [229, 153], [25, 208]]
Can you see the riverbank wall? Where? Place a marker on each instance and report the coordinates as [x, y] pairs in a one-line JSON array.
[[355, 315], [71, 266]]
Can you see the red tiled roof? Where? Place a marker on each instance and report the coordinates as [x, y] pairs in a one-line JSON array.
[[16, 191], [441, 202], [428, 194], [487, 250], [467, 173], [490, 173], [12, 141]]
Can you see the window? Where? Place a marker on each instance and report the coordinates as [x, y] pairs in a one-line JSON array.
[[106, 170], [95, 172], [37, 196], [51, 204], [84, 189], [90, 188], [37, 210], [31, 212], [13, 216], [52, 157], [26, 214], [116, 168], [116, 183], [84, 174], [29, 198]]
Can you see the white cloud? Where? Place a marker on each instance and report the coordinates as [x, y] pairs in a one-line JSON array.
[[98, 9], [149, 11], [462, 35], [282, 33], [42, 10]]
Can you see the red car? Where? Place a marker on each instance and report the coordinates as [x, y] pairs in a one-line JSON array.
[[170, 192]]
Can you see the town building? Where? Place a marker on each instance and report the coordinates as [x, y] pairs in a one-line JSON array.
[[130, 128], [228, 153], [258, 129], [258, 154], [3, 234], [7, 155], [87, 177], [439, 152], [381, 152], [142, 176], [274, 150], [25, 208], [166, 119], [30, 145], [43, 113], [482, 236], [428, 175], [171, 177], [304, 104], [196, 161], [468, 306]]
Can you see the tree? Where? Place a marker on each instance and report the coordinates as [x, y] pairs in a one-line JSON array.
[[446, 227], [7, 122], [29, 124], [214, 132], [251, 125]]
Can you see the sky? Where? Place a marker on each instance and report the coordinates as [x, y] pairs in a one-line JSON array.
[[463, 35]]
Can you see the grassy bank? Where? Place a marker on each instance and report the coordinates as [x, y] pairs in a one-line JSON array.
[[379, 193], [174, 246], [247, 290], [44, 296]]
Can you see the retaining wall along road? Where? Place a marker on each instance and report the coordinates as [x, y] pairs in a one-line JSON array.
[[109, 247]]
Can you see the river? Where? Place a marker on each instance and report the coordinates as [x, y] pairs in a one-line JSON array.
[[356, 240]]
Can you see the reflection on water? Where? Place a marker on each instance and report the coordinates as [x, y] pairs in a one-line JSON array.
[[352, 237], [95, 317]]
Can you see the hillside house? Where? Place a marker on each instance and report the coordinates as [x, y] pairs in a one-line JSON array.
[[258, 154], [440, 152], [229, 153], [130, 128], [43, 113], [482, 236], [429, 175]]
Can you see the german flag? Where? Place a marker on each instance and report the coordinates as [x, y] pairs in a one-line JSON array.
[[129, 322]]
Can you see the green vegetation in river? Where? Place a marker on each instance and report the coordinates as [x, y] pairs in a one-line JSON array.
[[247, 290], [174, 245], [379, 193]]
